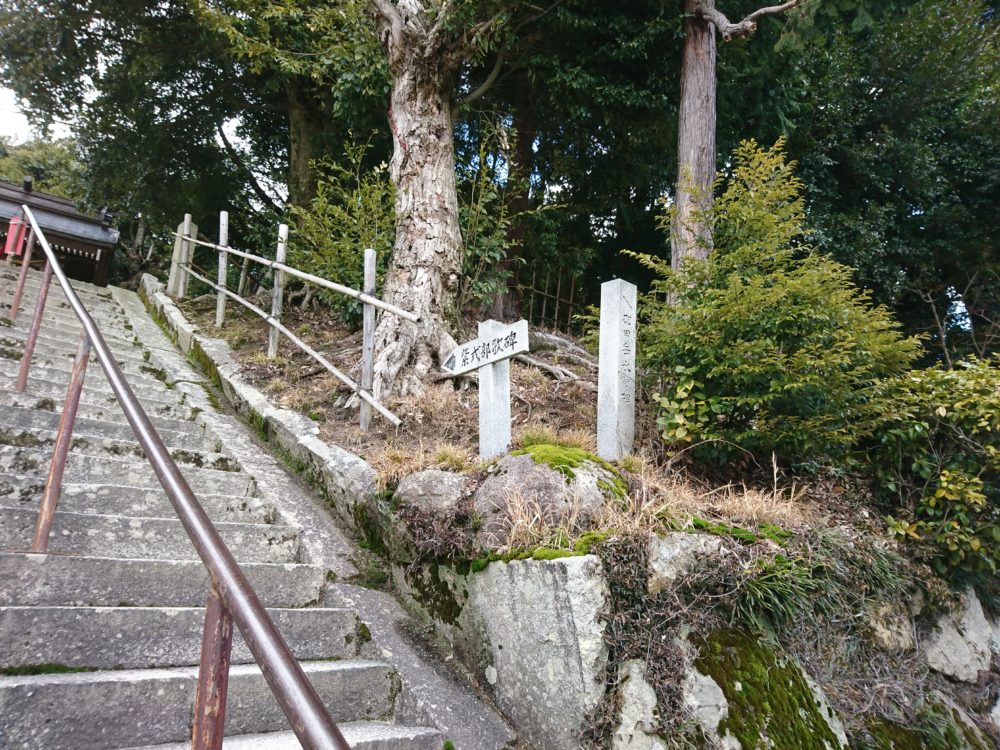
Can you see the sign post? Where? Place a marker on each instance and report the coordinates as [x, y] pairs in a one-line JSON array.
[[616, 373], [490, 354]]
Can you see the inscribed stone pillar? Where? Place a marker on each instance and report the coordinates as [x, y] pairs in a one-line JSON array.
[[616, 374]]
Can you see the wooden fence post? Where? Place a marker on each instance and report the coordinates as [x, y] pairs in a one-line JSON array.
[[220, 302], [368, 339], [278, 291]]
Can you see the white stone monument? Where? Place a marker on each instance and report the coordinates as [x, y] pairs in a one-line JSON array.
[[490, 354], [616, 373]]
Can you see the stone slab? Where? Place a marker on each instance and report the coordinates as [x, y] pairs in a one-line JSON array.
[[135, 472], [146, 538], [118, 708], [58, 580], [154, 637], [135, 502], [362, 735]]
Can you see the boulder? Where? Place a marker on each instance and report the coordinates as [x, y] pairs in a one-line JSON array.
[[959, 645], [995, 715], [433, 491], [637, 719], [533, 484], [542, 624], [674, 554]]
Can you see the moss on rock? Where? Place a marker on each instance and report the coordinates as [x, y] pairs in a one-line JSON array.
[[771, 705], [566, 460]]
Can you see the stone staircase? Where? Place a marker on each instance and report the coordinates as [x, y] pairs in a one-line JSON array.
[[100, 638]]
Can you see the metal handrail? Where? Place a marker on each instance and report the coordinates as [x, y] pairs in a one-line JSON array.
[[231, 597]]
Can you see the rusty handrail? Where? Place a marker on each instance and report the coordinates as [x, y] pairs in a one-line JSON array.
[[230, 595]]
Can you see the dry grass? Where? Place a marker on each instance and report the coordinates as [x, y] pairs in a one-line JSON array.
[[527, 525], [538, 434]]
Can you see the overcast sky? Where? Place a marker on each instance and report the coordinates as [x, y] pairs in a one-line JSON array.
[[14, 125]]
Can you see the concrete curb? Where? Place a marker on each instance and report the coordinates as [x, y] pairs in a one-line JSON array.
[[344, 478]]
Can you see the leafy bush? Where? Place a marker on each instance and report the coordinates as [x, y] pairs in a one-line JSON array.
[[938, 459], [767, 346], [353, 210]]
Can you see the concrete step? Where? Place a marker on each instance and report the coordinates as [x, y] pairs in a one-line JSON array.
[[89, 710], [46, 383], [64, 341], [361, 735], [65, 336], [134, 502], [10, 274], [18, 420], [139, 473], [101, 447], [56, 368], [63, 580], [54, 317], [155, 637], [147, 538]]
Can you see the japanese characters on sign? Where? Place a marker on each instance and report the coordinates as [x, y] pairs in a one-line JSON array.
[[508, 342]]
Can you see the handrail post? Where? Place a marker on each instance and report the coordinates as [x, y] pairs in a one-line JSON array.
[[221, 277], [278, 291], [185, 259], [53, 485], [213, 675], [36, 323], [22, 277], [368, 338]]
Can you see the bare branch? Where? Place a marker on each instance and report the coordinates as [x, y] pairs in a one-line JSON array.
[[487, 84], [745, 27], [392, 24]]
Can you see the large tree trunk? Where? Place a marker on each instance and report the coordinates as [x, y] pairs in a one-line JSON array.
[[691, 234], [305, 134], [427, 257]]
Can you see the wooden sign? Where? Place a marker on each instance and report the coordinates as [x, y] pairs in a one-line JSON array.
[[490, 354], [499, 343]]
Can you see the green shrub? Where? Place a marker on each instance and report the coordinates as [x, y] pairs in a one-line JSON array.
[[938, 460], [767, 346], [353, 210]]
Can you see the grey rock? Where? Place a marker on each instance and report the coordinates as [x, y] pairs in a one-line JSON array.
[[518, 485], [543, 629], [434, 491], [637, 717], [959, 645], [708, 706], [674, 554]]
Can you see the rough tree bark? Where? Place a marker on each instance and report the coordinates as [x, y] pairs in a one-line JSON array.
[[691, 235], [427, 256], [305, 133]]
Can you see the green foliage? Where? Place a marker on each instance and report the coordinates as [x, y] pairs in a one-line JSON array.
[[55, 166], [767, 346], [352, 210], [938, 460]]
